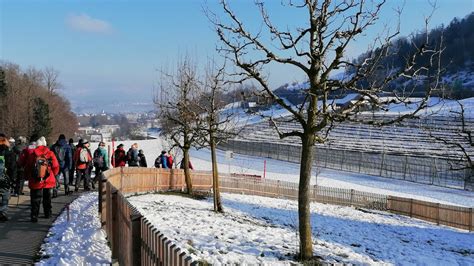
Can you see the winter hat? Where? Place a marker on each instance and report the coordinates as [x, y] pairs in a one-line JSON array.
[[41, 142], [11, 140], [71, 141], [84, 142], [120, 145], [21, 140], [62, 136]]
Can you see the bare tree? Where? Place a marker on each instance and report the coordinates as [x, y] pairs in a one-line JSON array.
[[216, 124], [317, 48], [178, 110], [50, 79], [22, 87], [463, 143]]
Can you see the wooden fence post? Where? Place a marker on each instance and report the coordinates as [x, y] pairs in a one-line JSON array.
[[470, 220], [135, 220], [411, 208], [437, 215], [115, 232]]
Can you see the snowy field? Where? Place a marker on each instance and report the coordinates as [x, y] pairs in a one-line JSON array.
[[257, 230], [79, 241], [286, 171]]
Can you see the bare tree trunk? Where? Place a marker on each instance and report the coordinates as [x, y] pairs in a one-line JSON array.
[[215, 176], [304, 214], [187, 173]]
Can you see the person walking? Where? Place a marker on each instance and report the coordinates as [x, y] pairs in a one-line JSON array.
[[120, 158], [20, 171], [72, 170], [63, 154], [163, 159], [101, 162], [142, 159], [132, 156], [41, 167], [83, 161], [7, 175], [190, 165]]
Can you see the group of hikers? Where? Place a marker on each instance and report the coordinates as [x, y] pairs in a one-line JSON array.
[[43, 166]]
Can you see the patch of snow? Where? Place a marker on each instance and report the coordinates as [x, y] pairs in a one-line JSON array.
[[259, 230], [80, 241]]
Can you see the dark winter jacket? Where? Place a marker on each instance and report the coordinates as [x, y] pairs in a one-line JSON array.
[[66, 162], [132, 157], [6, 178], [158, 162], [18, 149], [142, 160], [181, 165]]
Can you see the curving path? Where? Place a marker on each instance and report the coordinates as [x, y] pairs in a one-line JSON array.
[[20, 240]]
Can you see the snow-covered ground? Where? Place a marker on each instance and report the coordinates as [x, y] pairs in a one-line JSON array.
[[79, 241], [343, 234], [257, 230], [286, 171]]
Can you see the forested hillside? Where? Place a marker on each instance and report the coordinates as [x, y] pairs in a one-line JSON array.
[[30, 103], [457, 60]]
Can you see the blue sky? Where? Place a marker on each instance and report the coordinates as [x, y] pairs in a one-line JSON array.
[[109, 50]]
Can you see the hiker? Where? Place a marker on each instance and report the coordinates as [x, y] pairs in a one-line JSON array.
[[101, 162], [142, 159], [41, 167], [120, 158], [7, 174], [83, 161], [63, 153], [162, 160], [132, 156], [20, 171], [72, 170], [190, 165], [169, 161]]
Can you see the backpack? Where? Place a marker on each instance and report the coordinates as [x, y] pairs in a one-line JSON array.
[[132, 156], [98, 159], [60, 153], [83, 156], [41, 167]]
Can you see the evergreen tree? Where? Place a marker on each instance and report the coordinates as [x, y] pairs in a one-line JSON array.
[[41, 118]]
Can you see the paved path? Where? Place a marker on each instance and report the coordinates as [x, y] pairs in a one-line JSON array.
[[20, 239]]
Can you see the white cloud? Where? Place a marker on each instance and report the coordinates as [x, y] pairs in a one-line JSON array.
[[86, 23]]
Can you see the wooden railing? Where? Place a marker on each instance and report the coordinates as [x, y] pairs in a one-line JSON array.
[[135, 241]]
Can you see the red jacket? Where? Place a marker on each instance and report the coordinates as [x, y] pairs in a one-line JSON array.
[[81, 165], [120, 158], [27, 160]]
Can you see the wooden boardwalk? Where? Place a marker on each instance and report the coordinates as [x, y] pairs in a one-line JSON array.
[[20, 239]]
